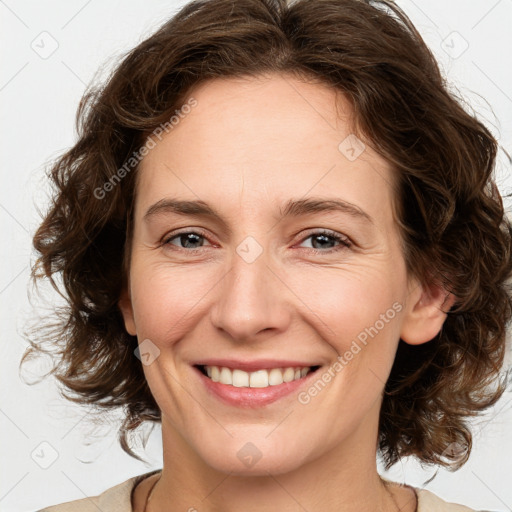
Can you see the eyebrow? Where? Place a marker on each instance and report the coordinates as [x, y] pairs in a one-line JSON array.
[[292, 208]]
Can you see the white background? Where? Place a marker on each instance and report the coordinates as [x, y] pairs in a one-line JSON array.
[[39, 97]]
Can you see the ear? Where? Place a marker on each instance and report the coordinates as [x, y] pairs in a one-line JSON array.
[[425, 313], [125, 305]]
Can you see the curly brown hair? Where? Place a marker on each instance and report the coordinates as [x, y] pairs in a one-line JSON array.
[[451, 216]]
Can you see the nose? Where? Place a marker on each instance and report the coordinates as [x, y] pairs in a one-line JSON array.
[[252, 298]]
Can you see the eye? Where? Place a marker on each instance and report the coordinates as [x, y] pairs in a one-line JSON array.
[[320, 241], [188, 239]]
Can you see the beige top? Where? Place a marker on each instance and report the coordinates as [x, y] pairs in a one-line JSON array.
[[118, 499]]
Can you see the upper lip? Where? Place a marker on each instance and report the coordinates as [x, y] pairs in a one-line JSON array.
[[254, 365]]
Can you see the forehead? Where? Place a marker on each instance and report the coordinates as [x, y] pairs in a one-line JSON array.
[[270, 137]]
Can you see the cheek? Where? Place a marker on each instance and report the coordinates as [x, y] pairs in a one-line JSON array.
[[348, 301], [167, 299], [359, 315]]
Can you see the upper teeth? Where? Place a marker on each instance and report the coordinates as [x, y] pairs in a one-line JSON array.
[[258, 379]]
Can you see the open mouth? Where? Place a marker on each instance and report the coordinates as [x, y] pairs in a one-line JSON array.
[[258, 379]]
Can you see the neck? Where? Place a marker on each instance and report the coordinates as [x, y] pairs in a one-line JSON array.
[[344, 478]]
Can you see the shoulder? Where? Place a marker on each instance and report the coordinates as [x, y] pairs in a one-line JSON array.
[[114, 499], [430, 502]]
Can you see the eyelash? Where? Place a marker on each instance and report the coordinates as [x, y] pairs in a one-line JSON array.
[[344, 242]]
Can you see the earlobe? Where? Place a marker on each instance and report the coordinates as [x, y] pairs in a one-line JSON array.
[[125, 305], [426, 313]]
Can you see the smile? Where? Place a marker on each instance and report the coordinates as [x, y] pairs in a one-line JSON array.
[[257, 379]]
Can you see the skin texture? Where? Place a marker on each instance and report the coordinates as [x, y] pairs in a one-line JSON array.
[[249, 146]]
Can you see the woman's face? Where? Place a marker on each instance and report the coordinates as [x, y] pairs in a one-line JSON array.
[[291, 258]]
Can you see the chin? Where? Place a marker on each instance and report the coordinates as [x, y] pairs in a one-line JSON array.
[[258, 457], [263, 467]]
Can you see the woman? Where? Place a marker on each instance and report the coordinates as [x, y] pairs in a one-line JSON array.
[[347, 295]]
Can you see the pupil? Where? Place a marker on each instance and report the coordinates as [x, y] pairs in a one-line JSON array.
[[188, 238], [325, 238]]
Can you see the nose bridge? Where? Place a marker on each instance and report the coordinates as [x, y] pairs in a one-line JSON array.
[[250, 298]]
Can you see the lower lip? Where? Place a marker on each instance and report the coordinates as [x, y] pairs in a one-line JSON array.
[[252, 397]]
